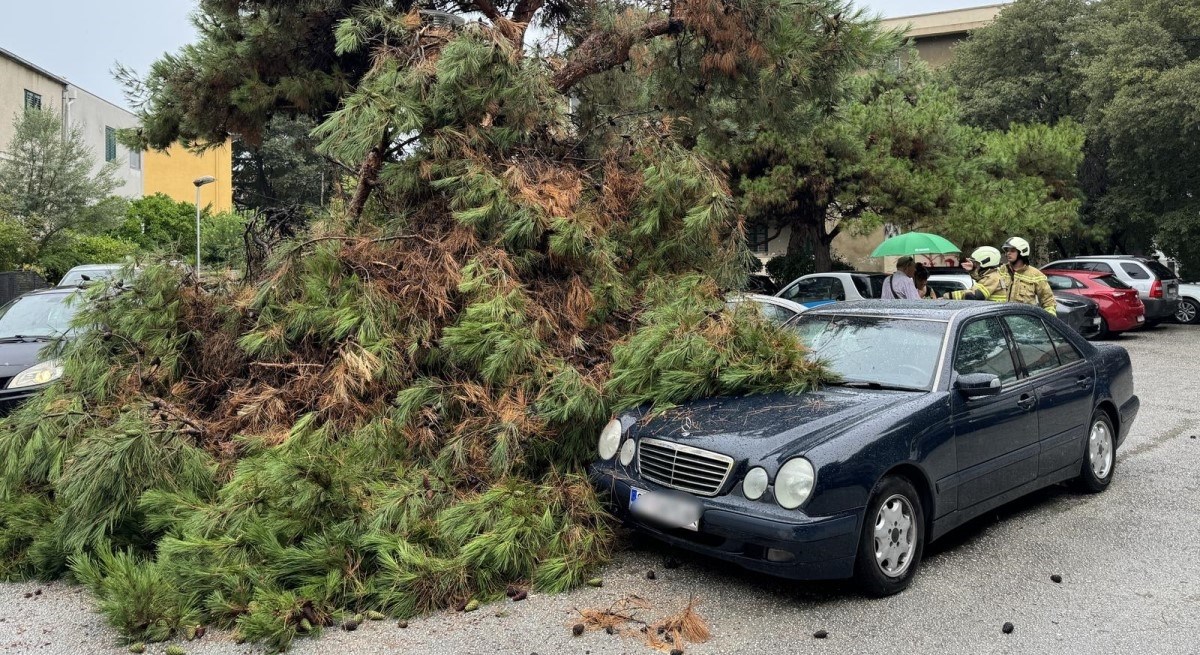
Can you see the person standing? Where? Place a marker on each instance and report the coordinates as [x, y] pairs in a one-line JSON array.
[[921, 281], [900, 285], [1027, 284], [990, 283]]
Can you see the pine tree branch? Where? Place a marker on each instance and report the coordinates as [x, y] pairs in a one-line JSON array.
[[602, 51], [368, 177]]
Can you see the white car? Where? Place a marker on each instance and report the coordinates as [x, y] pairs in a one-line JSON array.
[[776, 309], [1189, 304], [823, 288]]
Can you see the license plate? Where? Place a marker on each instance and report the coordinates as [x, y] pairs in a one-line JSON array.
[[669, 510], [1096, 321], [1141, 319]]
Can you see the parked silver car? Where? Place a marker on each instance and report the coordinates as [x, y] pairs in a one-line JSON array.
[[776, 309], [1157, 285]]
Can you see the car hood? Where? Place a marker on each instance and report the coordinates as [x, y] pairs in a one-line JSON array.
[[770, 426], [16, 357]]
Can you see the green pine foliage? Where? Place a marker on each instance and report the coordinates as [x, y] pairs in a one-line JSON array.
[[397, 417]]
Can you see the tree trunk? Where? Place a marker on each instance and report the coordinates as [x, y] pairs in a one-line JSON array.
[[809, 237], [368, 177]]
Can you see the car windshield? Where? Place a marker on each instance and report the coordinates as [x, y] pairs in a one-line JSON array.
[[74, 277], [40, 316], [1111, 282], [875, 351]]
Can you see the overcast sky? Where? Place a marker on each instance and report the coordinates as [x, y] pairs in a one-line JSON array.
[[82, 39]]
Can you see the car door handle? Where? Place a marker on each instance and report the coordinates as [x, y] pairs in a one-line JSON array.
[[1026, 401], [1083, 382]]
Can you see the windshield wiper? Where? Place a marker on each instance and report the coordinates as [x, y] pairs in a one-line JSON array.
[[20, 338], [876, 386]]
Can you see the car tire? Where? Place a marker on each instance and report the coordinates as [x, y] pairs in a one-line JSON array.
[[889, 556], [1104, 332], [1099, 455], [1188, 312]]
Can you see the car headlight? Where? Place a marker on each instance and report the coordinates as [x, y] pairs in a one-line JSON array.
[[610, 439], [37, 374], [627, 450], [794, 483], [755, 483]]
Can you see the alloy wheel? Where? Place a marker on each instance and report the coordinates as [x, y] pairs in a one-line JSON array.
[[1100, 451], [1187, 312], [895, 536]]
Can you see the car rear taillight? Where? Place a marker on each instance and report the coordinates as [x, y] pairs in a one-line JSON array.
[[1156, 289]]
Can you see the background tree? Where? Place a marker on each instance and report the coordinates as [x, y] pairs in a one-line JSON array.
[[1125, 71], [284, 170], [47, 180], [159, 223]]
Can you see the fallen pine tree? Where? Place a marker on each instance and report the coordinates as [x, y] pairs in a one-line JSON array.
[[396, 417]]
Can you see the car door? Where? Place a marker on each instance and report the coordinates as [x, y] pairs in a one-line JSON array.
[[996, 437], [1064, 382], [810, 291]]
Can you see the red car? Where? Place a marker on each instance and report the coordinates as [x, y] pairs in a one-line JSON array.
[[1121, 309]]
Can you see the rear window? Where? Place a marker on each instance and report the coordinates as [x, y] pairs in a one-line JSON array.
[[1135, 271], [1162, 272], [869, 286], [1062, 282], [1111, 282]]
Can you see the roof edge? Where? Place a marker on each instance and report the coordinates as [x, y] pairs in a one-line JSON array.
[[32, 66]]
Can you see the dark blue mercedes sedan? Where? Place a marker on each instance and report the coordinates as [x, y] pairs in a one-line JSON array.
[[944, 411]]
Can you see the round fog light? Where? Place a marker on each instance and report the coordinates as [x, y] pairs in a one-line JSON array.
[[755, 483], [627, 452]]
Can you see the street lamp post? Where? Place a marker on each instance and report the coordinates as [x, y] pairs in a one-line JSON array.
[[199, 182]]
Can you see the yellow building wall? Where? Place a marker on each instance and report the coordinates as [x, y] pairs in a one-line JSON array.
[[172, 173]]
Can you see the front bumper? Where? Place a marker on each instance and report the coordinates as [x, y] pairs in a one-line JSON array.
[[11, 399], [743, 532], [1158, 309]]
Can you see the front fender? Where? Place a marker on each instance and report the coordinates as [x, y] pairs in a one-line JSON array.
[[849, 467]]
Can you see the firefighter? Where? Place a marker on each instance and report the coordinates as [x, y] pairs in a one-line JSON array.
[[1027, 284], [990, 283]]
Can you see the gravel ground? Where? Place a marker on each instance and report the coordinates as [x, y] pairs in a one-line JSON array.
[[1129, 559]]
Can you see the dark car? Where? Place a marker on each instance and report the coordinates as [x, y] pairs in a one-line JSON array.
[[946, 410], [1082, 314], [27, 326]]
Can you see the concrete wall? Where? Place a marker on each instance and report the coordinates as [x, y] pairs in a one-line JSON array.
[[15, 77], [172, 173], [93, 116]]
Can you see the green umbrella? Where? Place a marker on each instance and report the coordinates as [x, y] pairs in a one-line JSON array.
[[915, 243]]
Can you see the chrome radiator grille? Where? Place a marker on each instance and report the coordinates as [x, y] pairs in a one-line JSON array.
[[681, 467]]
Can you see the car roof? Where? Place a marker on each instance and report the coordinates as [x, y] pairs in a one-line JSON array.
[[49, 291], [95, 267], [1073, 273], [1092, 258], [942, 310]]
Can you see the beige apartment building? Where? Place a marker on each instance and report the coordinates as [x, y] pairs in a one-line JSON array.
[[25, 85], [934, 35]]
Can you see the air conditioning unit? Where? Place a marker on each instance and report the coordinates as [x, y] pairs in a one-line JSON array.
[[443, 19]]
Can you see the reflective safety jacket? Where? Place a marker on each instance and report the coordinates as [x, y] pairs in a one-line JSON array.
[[990, 284], [1031, 287]]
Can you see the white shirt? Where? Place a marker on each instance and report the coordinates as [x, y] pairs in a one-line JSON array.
[[900, 287]]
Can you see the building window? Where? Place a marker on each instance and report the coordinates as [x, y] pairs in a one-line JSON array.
[[757, 237], [135, 160], [110, 144], [33, 100]]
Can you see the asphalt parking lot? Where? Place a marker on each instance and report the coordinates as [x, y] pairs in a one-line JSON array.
[[1129, 561]]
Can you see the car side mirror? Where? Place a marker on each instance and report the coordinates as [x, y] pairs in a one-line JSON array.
[[978, 385]]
